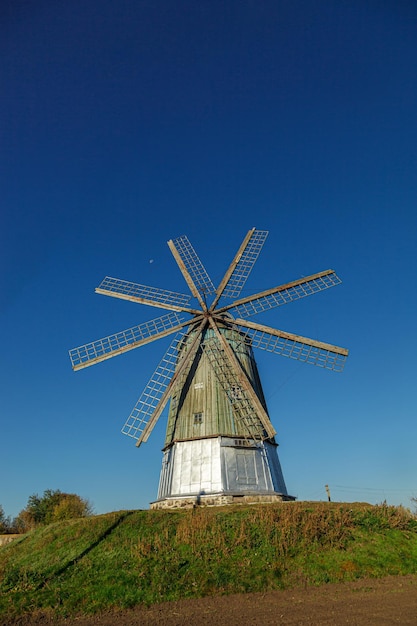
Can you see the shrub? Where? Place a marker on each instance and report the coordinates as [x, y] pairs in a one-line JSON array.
[[51, 507]]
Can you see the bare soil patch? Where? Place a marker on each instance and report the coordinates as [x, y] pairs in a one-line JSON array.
[[391, 600]]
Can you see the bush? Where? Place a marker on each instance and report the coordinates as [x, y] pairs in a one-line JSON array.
[[53, 506]]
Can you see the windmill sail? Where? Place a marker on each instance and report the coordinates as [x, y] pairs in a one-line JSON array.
[[245, 264], [108, 347], [283, 294], [192, 268], [244, 412], [294, 346], [154, 397], [153, 392], [241, 266], [144, 295]]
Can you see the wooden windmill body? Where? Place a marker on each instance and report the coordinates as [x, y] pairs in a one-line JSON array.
[[220, 443]]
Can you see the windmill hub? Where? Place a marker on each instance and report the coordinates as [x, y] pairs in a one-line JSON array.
[[220, 442]]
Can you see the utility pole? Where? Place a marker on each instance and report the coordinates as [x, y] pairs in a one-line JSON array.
[[328, 493]]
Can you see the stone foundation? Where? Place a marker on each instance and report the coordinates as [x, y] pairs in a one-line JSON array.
[[221, 499]]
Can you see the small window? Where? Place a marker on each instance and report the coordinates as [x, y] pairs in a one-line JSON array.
[[235, 393], [198, 385], [243, 443], [198, 418]]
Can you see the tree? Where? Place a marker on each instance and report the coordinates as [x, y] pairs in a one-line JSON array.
[[51, 507], [71, 506], [3, 521], [23, 522], [6, 523]]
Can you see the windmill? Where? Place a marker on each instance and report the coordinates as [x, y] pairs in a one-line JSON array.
[[220, 443]]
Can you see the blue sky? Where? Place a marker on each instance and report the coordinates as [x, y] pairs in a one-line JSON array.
[[125, 124]]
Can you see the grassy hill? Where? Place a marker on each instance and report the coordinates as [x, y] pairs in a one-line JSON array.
[[131, 557]]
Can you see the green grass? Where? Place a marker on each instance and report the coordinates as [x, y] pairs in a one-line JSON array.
[[143, 557]]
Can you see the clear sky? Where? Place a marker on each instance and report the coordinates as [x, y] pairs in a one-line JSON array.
[[127, 123]]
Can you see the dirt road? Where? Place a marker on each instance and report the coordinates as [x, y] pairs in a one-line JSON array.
[[391, 600]]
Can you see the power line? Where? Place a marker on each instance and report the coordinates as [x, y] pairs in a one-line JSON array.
[[380, 489]]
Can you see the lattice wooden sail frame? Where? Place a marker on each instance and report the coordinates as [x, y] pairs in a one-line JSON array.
[[173, 371]]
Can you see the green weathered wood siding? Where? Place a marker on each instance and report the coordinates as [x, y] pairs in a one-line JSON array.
[[202, 393]]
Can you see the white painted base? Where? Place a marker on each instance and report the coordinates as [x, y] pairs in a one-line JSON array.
[[220, 466]]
